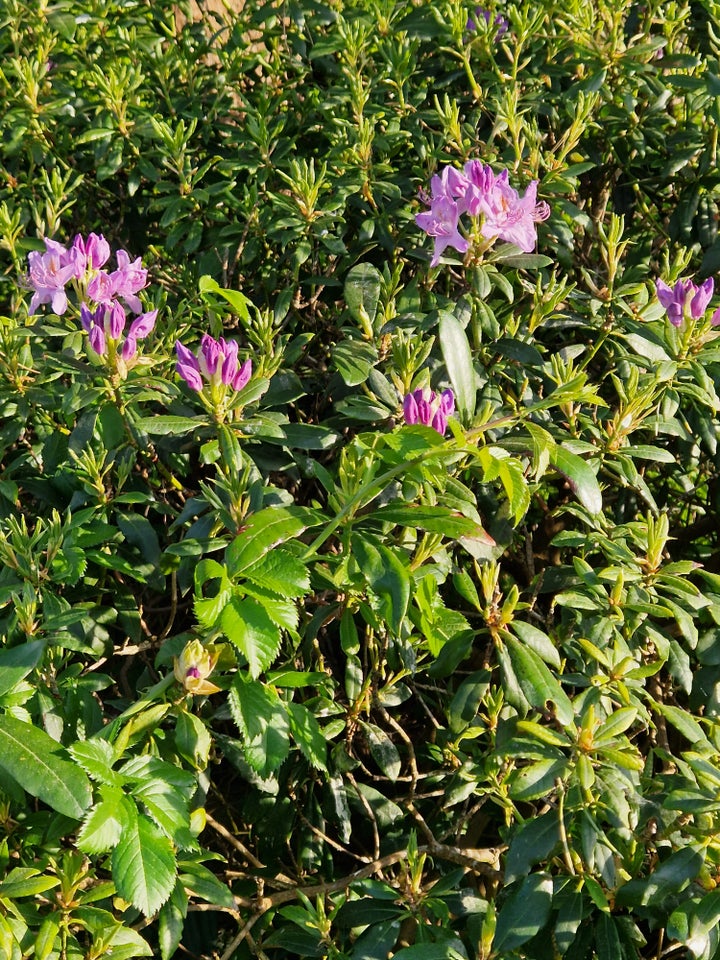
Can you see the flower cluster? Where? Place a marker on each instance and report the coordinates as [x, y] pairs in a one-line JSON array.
[[215, 362], [687, 301], [105, 296], [426, 407], [498, 209], [499, 20]]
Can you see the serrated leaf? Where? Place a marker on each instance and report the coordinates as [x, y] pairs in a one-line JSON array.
[[31, 757], [282, 573], [103, 826], [262, 719], [307, 735], [247, 624], [96, 757], [143, 864]]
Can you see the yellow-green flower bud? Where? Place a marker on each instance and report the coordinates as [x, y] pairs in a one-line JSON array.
[[193, 666]]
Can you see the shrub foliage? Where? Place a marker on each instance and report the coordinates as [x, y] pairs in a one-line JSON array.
[[379, 617]]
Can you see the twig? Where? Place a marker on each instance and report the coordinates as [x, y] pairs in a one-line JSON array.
[[482, 860]]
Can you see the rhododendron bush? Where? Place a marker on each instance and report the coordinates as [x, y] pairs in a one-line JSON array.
[[359, 580]]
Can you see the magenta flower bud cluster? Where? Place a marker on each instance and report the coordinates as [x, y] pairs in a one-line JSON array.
[[426, 407], [686, 300], [216, 363], [482, 13], [105, 295], [476, 191]]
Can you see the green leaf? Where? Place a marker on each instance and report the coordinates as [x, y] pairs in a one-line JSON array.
[[382, 750], [17, 662], [362, 293], [203, 883], [262, 719], [537, 779], [103, 826], [166, 425], [282, 573], [171, 920], [387, 576], [307, 734], [682, 721], [31, 757], [247, 624], [238, 301], [26, 882], [436, 519], [46, 937], [143, 864], [96, 757], [354, 359], [536, 681], [580, 476], [531, 844], [459, 363], [265, 530], [607, 938], [523, 914]]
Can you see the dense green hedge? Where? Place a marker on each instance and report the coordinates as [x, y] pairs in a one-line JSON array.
[[360, 570]]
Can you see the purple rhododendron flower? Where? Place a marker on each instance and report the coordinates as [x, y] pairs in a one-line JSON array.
[[102, 314], [216, 362], [188, 367], [128, 279], [48, 274], [139, 329], [482, 194], [426, 407], [685, 299], [441, 223], [511, 217]]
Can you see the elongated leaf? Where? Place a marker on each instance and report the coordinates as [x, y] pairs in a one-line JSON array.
[[264, 530], [167, 425], [17, 662], [435, 519], [538, 684], [523, 914], [387, 576], [383, 750], [33, 759], [580, 476], [238, 301], [143, 864], [362, 293], [458, 360], [531, 844]]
